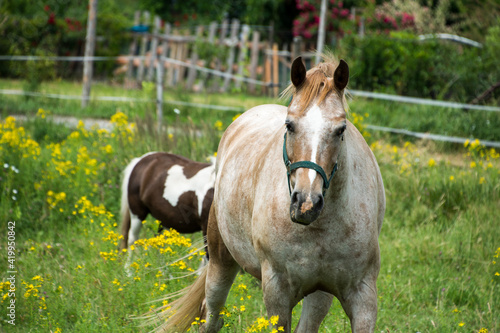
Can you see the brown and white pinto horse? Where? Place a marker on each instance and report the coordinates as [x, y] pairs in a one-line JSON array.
[[176, 191], [316, 241]]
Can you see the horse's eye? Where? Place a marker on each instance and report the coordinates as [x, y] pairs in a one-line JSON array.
[[341, 130], [289, 126]]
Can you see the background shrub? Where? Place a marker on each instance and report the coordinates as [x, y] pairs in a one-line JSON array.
[[402, 64]]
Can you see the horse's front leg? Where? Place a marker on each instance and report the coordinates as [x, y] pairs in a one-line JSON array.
[[360, 305], [314, 309], [133, 235], [277, 297]]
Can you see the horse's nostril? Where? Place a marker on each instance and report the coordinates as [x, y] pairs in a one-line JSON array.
[[319, 202], [294, 197]]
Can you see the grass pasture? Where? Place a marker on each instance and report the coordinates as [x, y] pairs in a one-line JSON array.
[[440, 242]]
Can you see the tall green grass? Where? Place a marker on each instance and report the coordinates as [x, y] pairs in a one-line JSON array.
[[439, 242]]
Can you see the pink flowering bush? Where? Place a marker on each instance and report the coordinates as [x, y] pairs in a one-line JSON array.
[[382, 22], [307, 24]]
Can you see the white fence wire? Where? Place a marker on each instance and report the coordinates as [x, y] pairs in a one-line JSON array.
[[358, 93], [424, 136]]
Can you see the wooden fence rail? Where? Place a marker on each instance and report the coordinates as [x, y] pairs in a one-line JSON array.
[[230, 51]]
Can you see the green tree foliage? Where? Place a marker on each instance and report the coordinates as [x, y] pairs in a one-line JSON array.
[[58, 28], [191, 11]]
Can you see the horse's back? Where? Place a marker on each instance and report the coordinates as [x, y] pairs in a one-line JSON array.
[[250, 129], [154, 166]]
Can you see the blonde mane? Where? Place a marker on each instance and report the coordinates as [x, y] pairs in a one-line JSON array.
[[317, 83]]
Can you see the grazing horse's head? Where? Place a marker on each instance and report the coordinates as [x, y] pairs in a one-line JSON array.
[[315, 126]]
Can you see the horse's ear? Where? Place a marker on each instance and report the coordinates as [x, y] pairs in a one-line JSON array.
[[298, 72], [341, 76]]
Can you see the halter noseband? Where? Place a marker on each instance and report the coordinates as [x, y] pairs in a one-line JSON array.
[[309, 165]]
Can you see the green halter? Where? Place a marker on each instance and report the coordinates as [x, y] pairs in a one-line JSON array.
[[306, 164]]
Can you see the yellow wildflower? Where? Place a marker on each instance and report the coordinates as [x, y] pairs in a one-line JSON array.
[[218, 125], [37, 278]]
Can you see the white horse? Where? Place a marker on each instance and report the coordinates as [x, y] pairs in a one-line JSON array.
[[298, 203]]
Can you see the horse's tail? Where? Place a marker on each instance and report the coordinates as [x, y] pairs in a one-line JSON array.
[[124, 208], [179, 315]]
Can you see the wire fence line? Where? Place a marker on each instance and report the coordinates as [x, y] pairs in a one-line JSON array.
[[61, 58], [430, 136], [453, 38], [359, 93], [423, 101], [420, 135], [142, 58], [118, 99]]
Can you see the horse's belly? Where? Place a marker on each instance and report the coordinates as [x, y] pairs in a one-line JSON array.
[[238, 242]]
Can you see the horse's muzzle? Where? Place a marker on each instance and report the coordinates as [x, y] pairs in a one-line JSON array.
[[304, 208]]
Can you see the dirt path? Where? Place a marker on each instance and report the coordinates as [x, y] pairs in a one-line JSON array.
[[72, 122]]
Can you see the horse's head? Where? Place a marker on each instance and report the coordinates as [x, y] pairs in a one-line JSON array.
[[315, 126]]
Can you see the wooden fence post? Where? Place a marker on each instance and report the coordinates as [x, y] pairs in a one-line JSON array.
[[321, 31], [89, 52], [170, 77], [245, 31], [296, 48], [270, 42], [361, 31], [267, 72], [194, 59], [183, 54], [132, 51], [211, 37], [275, 75], [254, 59], [285, 65], [164, 48], [144, 44], [235, 27], [218, 63], [154, 48], [159, 99]]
